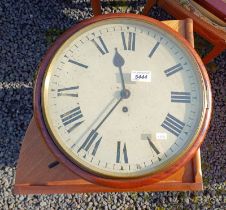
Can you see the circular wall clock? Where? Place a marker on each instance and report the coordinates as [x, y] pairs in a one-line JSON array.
[[122, 100]]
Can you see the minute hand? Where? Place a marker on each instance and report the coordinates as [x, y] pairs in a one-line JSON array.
[[111, 110], [93, 131]]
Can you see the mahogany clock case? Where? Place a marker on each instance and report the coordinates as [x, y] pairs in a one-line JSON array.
[[110, 182]]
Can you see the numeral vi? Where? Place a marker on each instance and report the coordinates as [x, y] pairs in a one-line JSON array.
[[121, 155]]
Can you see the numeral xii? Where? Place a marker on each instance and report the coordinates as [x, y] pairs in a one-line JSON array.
[[130, 44]]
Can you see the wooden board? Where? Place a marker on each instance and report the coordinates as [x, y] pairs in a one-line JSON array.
[[217, 7], [33, 176], [214, 35]]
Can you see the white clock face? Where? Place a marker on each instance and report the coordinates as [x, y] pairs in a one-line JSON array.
[[123, 98]]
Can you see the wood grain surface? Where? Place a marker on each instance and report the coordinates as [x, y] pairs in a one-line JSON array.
[[215, 36], [217, 7]]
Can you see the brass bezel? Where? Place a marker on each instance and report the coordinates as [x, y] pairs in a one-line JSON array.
[[80, 162]]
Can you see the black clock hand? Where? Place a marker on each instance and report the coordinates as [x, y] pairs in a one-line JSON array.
[[93, 134], [108, 114], [118, 61], [153, 146]]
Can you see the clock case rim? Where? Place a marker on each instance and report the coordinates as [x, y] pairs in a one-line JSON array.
[[74, 158], [108, 181]]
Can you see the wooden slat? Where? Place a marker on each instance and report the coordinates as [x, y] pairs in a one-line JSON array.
[[203, 28], [96, 6], [215, 36], [217, 7]]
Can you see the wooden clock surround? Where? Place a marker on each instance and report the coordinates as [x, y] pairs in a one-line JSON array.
[[34, 176]]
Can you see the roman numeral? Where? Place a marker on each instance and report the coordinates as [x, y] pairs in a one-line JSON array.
[[77, 63], [173, 125], [91, 141], [180, 97], [131, 41], [67, 91], [173, 70], [153, 146], [154, 49], [101, 46], [124, 151], [72, 117]]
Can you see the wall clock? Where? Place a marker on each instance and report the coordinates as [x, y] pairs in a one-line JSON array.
[[122, 100]]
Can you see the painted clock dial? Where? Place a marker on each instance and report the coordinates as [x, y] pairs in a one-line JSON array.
[[122, 98]]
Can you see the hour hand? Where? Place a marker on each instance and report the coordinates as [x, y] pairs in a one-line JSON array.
[[118, 62]]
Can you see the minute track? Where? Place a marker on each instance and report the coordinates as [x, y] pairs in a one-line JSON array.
[[144, 112]]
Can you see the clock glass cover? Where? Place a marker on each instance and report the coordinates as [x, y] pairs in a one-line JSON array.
[[123, 98]]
